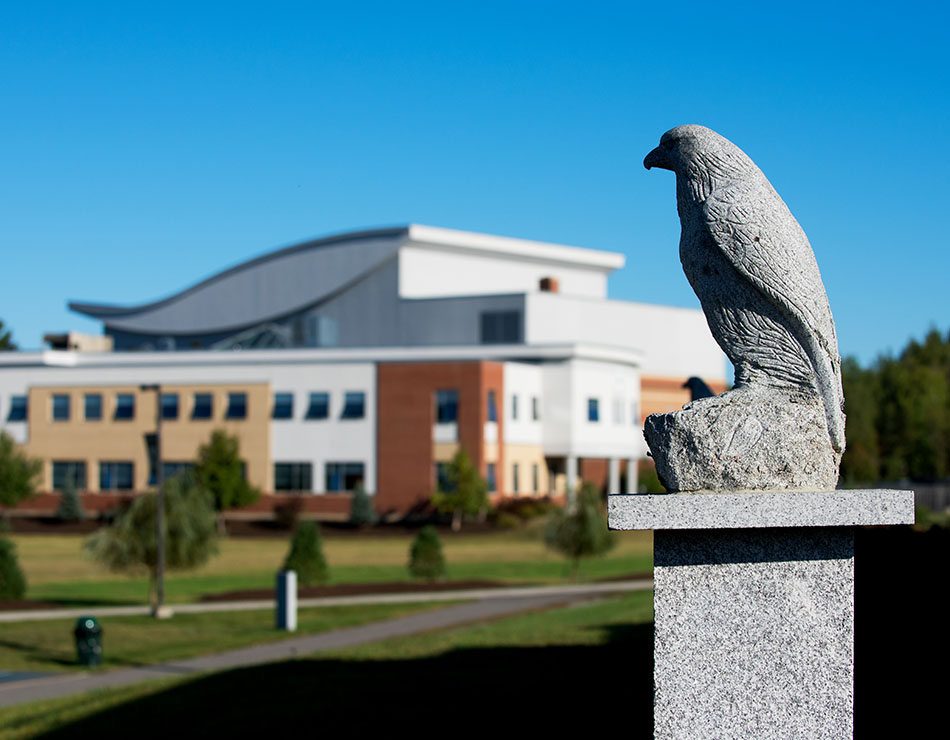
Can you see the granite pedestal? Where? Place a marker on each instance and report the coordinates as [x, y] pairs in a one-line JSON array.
[[754, 608]]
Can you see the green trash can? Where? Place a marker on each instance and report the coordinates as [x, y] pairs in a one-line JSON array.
[[88, 634]]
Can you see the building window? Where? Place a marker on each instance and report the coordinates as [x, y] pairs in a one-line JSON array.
[[514, 407], [93, 406], [202, 408], [293, 476], [69, 474], [116, 476], [343, 476], [17, 408], [514, 478], [443, 481], [535, 408], [635, 413], [491, 477], [492, 407], [319, 407], [618, 411], [354, 405], [593, 409], [534, 478], [172, 468], [237, 406], [500, 327], [60, 407], [124, 407], [283, 406], [169, 402], [446, 407]]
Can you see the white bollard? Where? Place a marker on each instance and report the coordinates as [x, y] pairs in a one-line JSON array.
[[287, 600]]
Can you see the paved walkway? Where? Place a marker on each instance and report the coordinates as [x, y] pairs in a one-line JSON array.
[[490, 604]]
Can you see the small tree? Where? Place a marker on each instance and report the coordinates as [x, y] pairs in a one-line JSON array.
[[17, 472], [306, 555], [70, 506], [425, 555], [465, 491], [12, 581], [130, 543], [220, 471], [362, 512], [582, 532], [6, 340]]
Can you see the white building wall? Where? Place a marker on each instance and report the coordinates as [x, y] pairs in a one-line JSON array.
[[524, 382], [436, 272]]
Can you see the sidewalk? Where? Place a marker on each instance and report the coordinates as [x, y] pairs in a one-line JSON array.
[[490, 604]]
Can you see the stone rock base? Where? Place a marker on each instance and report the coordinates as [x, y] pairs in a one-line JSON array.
[[744, 441], [754, 633]]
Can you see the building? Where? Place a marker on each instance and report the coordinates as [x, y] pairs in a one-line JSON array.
[[369, 358]]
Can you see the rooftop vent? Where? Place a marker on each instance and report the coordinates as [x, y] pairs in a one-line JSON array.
[[549, 285]]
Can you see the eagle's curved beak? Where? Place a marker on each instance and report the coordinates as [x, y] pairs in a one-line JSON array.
[[659, 157]]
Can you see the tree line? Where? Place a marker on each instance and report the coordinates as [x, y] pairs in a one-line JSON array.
[[898, 410]]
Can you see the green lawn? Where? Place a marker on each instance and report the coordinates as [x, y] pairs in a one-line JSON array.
[[57, 569], [48, 646], [543, 673]]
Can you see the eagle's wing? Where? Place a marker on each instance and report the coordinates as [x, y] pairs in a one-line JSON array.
[[757, 233]]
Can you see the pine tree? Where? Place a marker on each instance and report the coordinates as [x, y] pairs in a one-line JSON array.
[[362, 512], [466, 492], [425, 555], [582, 532], [12, 581], [70, 506], [306, 555]]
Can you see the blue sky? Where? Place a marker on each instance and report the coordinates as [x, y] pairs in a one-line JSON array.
[[146, 146]]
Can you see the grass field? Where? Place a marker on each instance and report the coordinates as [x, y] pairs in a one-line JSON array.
[[57, 570], [542, 672]]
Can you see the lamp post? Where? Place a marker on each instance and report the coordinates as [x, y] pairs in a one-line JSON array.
[[159, 610]]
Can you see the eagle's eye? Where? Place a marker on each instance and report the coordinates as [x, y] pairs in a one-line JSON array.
[[667, 143]]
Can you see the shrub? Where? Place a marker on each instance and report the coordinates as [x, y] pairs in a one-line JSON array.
[[70, 506], [362, 511], [306, 555], [12, 581], [425, 555], [287, 513]]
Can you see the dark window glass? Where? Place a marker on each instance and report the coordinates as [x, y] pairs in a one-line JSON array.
[[354, 405], [492, 407], [341, 476], [534, 477], [60, 408], [124, 407], [171, 469], [17, 409], [514, 407], [93, 406], [442, 481], [500, 327], [491, 476], [293, 476], [446, 407], [237, 406], [319, 407], [635, 413], [283, 406], [69, 473], [202, 408], [169, 406], [514, 478], [116, 476], [593, 410], [535, 408]]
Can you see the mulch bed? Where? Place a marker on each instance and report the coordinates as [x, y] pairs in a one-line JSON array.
[[9, 605], [356, 589]]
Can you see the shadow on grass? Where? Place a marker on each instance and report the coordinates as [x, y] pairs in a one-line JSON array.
[[539, 689]]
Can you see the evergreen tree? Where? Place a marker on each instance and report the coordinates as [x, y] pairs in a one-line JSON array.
[[130, 544], [70, 506], [582, 532], [425, 555], [220, 471], [465, 491], [17, 472], [6, 340], [362, 512], [12, 581], [306, 555]]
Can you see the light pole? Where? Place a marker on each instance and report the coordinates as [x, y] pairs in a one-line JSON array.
[[159, 610]]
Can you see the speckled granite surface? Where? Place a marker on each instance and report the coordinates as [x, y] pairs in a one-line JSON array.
[[761, 509]]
